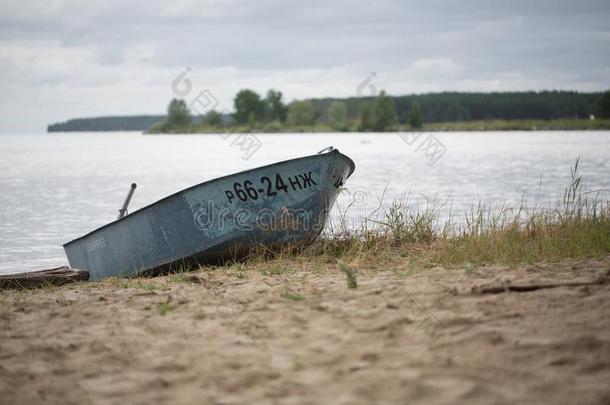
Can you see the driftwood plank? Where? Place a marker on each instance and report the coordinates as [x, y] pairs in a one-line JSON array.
[[56, 276], [498, 289]]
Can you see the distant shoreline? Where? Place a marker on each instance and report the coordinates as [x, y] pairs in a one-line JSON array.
[[459, 126], [375, 112], [463, 126]]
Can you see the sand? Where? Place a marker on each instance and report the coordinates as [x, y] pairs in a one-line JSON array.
[[303, 337]]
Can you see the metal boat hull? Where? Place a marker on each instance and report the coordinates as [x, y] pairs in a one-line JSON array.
[[283, 203]]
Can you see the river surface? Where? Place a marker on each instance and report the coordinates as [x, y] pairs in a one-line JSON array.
[[56, 187]]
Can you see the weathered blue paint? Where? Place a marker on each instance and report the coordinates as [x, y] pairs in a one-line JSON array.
[[204, 223]]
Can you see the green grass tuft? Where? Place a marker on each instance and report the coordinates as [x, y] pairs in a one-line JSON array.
[[292, 296], [350, 274], [164, 308]]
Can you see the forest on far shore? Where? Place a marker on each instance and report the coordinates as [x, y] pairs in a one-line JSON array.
[[270, 113]]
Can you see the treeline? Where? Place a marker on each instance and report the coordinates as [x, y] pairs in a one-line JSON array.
[[124, 123], [455, 107], [271, 114], [381, 112]]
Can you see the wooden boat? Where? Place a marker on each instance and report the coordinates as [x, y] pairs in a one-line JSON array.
[[283, 203]]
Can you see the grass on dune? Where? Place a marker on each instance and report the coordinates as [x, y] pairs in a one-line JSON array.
[[406, 239]]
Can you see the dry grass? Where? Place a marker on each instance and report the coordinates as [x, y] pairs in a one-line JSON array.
[[405, 239]]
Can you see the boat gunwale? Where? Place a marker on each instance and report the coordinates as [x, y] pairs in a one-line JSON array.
[[334, 151]]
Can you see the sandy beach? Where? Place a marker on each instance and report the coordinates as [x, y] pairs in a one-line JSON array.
[[295, 333]]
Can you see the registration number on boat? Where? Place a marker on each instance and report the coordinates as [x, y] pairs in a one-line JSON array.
[[269, 186]]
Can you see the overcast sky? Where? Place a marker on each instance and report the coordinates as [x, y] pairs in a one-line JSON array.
[[61, 59]]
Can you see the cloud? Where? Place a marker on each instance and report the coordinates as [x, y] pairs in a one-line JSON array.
[[65, 58]]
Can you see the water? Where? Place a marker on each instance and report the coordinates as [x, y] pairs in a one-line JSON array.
[[56, 187]]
